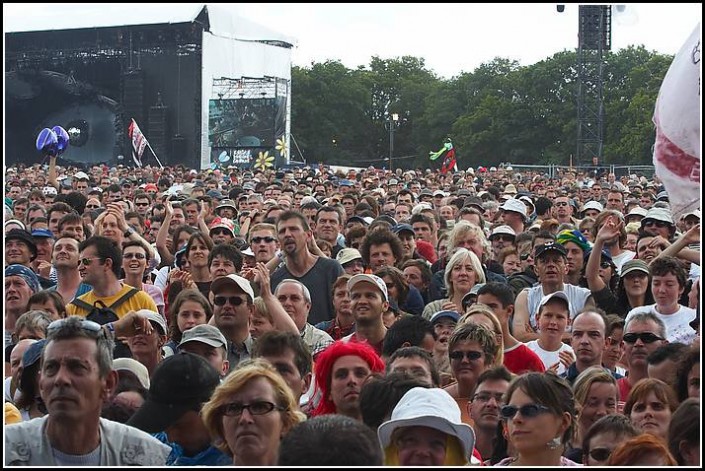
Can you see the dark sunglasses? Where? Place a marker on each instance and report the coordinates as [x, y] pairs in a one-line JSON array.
[[652, 222], [600, 454], [524, 257], [605, 265], [221, 232], [138, 256], [92, 206], [233, 300], [529, 410], [268, 239], [645, 337], [458, 355]]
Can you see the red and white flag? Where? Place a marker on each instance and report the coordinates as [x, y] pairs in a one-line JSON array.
[[139, 142], [677, 120]]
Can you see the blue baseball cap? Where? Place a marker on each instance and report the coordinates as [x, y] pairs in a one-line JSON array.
[[33, 353], [403, 228], [25, 273], [453, 315], [43, 233]]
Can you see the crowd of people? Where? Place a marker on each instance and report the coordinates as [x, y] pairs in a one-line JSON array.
[[303, 316]]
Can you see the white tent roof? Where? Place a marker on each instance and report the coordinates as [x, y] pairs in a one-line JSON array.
[[223, 20]]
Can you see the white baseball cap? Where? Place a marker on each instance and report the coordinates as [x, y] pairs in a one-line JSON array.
[[231, 280], [374, 279]]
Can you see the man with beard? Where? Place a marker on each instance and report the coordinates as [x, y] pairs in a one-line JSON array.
[[369, 298], [315, 272], [485, 406], [551, 264]]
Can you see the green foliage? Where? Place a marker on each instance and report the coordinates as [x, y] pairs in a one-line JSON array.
[[500, 112]]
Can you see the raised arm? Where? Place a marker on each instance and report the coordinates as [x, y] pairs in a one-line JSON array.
[[680, 249], [608, 231], [163, 234], [521, 327], [281, 320]]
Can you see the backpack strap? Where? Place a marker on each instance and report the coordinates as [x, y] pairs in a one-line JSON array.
[[82, 304], [124, 298]]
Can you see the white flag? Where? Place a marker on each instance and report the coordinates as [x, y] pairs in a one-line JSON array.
[[677, 120]]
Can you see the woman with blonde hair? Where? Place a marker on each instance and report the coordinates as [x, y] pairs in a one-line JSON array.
[[483, 315], [596, 394], [250, 412], [464, 270]]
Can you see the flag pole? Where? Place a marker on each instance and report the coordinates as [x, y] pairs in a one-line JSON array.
[[154, 154]]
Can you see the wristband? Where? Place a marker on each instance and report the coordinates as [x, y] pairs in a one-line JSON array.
[[128, 232]]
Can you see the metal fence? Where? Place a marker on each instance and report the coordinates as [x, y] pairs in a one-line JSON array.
[[553, 170]]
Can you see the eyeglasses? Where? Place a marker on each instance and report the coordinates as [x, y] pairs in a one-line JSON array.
[[528, 410], [605, 265], [600, 454], [87, 261], [233, 300], [561, 203], [459, 355], [141, 204], [645, 337], [268, 239], [652, 222], [486, 396], [256, 408], [138, 256], [86, 325]]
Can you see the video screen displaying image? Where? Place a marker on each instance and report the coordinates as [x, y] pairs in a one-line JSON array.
[[242, 122]]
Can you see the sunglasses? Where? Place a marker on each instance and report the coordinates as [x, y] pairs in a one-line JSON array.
[[645, 337], [458, 355], [141, 204], [87, 261], [524, 257], [650, 223], [268, 239], [233, 300], [221, 232], [528, 410], [605, 265], [600, 454], [92, 206], [86, 325], [130, 256], [561, 203], [256, 408]]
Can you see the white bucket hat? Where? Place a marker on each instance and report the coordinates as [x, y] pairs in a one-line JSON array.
[[428, 407]]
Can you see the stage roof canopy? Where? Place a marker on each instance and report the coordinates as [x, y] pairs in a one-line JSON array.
[[224, 22]]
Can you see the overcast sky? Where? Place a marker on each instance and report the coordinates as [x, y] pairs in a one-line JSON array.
[[459, 37], [452, 38]]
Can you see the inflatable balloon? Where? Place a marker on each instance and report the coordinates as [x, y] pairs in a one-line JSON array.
[[48, 142], [62, 137]]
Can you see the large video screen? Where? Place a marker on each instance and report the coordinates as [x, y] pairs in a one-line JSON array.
[[237, 123]]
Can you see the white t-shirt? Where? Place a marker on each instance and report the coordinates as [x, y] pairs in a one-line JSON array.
[[550, 358], [677, 324], [622, 258]]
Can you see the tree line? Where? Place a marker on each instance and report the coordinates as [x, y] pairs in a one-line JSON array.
[[500, 112]]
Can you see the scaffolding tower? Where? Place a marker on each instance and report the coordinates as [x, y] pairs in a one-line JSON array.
[[594, 39]]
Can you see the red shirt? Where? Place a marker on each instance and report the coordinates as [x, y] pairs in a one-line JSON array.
[[521, 359]]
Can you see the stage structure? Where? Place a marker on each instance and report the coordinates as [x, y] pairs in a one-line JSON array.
[[205, 86]]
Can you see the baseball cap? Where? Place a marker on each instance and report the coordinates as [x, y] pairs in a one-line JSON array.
[[473, 292], [593, 205], [453, 315], [25, 273], [403, 228], [374, 279], [135, 367], [233, 280], [348, 255], [204, 333], [634, 265], [637, 211], [694, 213], [503, 229], [155, 318], [539, 250], [363, 220], [439, 193], [180, 383], [42, 233], [81, 176], [33, 353], [514, 205], [227, 203], [555, 295], [150, 187], [248, 252]]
